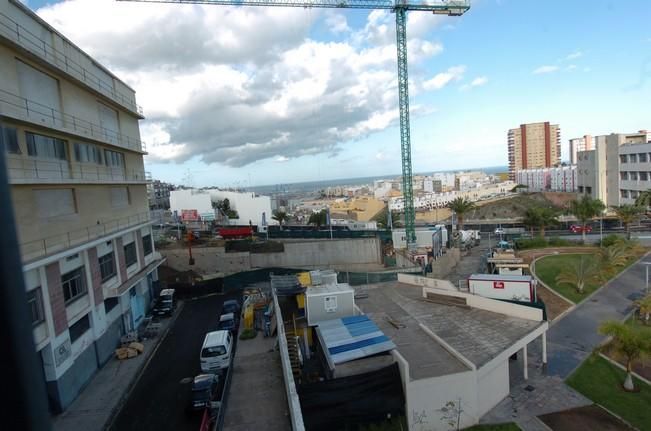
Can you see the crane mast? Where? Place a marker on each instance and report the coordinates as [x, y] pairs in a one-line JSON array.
[[400, 7]]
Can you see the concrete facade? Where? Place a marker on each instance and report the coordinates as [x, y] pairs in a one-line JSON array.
[[584, 143], [534, 145], [610, 172], [78, 187]]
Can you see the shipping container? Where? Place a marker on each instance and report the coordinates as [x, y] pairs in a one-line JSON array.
[[498, 286]]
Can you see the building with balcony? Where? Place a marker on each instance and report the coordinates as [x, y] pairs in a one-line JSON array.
[[558, 179], [158, 194], [69, 129], [616, 169], [584, 143], [533, 146]]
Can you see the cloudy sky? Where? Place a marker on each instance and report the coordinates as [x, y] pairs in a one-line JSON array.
[[238, 96]]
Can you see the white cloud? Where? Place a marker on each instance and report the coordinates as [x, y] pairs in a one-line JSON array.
[[545, 69], [571, 67], [336, 22], [477, 82], [442, 79], [380, 156], [237, 85], [574, 55], [281, 159]]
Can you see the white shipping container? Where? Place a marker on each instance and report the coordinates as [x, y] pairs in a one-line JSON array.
[[423, 237], [498, 286], [329, 302]]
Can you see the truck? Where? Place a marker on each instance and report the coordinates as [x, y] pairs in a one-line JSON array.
[[509, 231], [500, 286]]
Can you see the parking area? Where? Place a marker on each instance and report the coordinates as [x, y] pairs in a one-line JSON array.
[[160, 397]]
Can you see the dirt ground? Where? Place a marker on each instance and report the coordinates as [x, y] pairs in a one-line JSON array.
[[584, 418], [554, 304]]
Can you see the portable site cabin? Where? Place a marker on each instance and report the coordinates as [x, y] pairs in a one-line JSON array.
[[329, 302], [498, 286]]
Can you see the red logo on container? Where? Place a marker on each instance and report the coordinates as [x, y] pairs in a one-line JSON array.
[[498, 285]]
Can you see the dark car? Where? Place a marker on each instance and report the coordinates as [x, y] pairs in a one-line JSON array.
[[231, 306], [165, 303], [204, 390], [227, 322]]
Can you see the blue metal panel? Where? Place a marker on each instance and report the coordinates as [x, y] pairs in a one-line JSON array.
[[358, 344]]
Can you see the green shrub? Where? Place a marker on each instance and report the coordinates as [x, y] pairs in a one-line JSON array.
[[247, 334], [609, 240], [523, 244], [558, 242]]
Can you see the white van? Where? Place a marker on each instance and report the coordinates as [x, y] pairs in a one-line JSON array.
[[216, 351]]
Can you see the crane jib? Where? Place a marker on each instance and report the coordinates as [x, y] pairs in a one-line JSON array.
[[444, 7], [450, 7]]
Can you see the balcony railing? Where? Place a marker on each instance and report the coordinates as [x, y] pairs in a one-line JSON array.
[[20, 108], [44, 49], [33, 250], [29, 170]]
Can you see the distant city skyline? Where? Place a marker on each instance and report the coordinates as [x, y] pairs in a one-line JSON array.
[[279, 95]]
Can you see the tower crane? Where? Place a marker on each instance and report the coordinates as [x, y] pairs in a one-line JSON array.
[[400, 8]]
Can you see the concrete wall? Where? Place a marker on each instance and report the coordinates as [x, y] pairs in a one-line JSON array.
[[64, 390], [108, 342], [492, 385], [305, 254], [313, 254], [426, 398]]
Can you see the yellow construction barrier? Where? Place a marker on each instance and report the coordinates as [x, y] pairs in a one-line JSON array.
[[248, 317], [305, 279], [300, 300]]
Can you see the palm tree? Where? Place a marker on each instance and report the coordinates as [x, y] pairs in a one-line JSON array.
[[382, 219], [318, 219], [627, 214], [461, 206], [585, 271], [280, 217], [644, 200], [585, 209], [548, 217], [616, 255], [629, 341], [531, 218], [644, 308]]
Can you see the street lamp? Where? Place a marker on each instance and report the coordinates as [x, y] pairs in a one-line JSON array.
[[646, 264]]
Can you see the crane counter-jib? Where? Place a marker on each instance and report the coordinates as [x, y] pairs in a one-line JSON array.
[[453, 8]]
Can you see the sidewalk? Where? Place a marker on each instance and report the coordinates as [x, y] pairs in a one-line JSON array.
[[106, 391]]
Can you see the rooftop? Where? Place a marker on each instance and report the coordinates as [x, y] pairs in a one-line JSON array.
[[478, 335]]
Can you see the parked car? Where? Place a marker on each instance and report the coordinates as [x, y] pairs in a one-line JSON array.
[[215, 355], [204, 390], [575, 228], [227, 323], [165, 303], [499, 231], [231, 306]]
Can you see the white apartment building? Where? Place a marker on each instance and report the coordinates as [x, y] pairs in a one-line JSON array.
[[69, 128], [634, 171], [440, 200], [559, 179], [598, 170], [584, 143], [248, 205]]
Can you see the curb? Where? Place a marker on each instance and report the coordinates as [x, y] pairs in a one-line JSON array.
[[115, 411]]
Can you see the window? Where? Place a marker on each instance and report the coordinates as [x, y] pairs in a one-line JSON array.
[[642, 158], [146, 245], [45, 146], [55, 202], [35, 302], [632, 176], [9, 139], [588, 190], [632, 158], [113, 158], [643, 176], [119, 197], [110, 304], [623, 158], [107, 266], [79, 328], [580, 189], [88, 153], [623, 175], [73, 284], [623, 193], [130, 256]]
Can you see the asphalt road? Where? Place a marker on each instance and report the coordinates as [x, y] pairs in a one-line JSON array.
[[160, 397], [574, 337]]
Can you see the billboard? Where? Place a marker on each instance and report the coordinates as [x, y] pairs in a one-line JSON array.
[[189, 215]]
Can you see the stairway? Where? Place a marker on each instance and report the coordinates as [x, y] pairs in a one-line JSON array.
[[294, 358]]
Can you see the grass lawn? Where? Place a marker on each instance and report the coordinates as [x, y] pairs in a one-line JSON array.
[[602, 383], [499, 427], [549, 267]]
